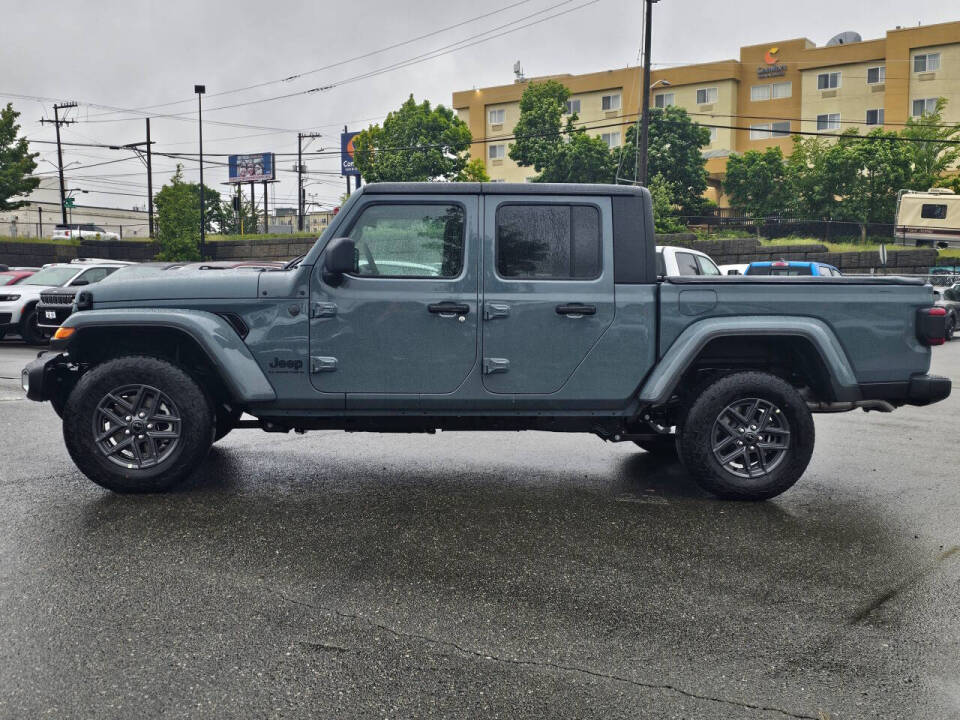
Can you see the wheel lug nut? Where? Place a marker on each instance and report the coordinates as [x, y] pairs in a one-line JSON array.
[[128, 418], [143, 414], [127, 432], [140, 437], [740, 430], [740, 443], [149, 426]]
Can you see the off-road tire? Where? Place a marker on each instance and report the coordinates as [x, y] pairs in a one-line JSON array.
[[194, 410], [697, 438], [664, 446], [30, 332]]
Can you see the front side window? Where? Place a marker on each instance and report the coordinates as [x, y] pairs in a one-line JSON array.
[[94, 275], [830, 121], [412, 240], [548, 242], [610, 102], [706, 95], [875, 117], [707, 266], [663, 100], [497, 116], [928, 62], [933, 211], [828, 81], [876, 75], [498, 152]]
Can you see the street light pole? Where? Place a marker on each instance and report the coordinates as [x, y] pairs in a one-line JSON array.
[[200, 90], [645, 88]]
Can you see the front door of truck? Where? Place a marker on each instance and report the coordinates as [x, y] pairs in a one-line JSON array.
[[405, 323], [547, 288]]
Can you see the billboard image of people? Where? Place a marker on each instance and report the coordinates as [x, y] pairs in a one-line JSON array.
[[252, 168]]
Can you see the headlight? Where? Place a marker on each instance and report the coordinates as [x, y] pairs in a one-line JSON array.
[[9, 298]]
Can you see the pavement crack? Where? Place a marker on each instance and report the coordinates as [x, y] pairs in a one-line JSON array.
[[887, 594], [669, 687]]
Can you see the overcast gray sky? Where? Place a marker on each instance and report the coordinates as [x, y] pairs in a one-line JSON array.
[[132, 54]]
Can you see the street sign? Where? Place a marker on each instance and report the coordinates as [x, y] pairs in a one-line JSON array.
[[883, 254], [68, 202]]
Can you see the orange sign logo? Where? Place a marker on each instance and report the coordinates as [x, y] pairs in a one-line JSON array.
[[770, 57]]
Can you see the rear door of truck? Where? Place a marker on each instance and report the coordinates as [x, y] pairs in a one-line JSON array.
[[548, 288]]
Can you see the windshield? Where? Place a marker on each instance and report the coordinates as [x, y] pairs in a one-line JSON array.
[[50, 276]]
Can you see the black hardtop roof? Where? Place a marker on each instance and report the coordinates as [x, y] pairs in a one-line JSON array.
[[490, 188]]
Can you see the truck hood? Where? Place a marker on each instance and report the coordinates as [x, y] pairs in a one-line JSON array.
[[179, 285]]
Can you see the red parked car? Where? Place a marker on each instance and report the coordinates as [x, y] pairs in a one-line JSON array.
[[12, 277]]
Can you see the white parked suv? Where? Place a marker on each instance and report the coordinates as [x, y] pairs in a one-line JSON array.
[[18, 303], [673, 261], [83, 231]]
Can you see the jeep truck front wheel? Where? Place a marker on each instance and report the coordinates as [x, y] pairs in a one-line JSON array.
[[747, 436], [137, 424]]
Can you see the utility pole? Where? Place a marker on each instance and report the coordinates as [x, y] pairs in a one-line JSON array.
[[347, 177], [149, 163], [645, 89], [200, 90], [300, 204], [57, 122]]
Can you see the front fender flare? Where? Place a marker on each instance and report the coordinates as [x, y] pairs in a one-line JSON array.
[[230, 356], [662, 382]]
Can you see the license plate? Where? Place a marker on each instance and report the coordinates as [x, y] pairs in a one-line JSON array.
[[51, 314]]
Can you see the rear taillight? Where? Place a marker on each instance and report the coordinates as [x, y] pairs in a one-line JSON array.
[[932, 325]]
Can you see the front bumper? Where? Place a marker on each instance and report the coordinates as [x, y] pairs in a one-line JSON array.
[[43, 376]]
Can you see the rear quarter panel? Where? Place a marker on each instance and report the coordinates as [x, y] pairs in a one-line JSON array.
[[874, 323]]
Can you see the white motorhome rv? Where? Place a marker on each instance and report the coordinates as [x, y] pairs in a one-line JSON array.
[[928, 219]]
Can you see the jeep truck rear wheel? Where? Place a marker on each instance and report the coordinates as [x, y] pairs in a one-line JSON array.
[[747, 436], [137, 424]]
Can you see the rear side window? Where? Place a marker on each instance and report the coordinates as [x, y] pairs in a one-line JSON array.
[[931, 211], [548, 242], [687, 264]]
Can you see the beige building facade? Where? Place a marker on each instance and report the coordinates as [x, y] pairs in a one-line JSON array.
[[756, 101]]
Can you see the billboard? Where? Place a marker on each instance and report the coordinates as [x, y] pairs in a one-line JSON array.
[[346, 154], [260, 167]]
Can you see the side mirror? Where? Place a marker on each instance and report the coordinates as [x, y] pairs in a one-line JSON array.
[[78, 283], [339, 258]]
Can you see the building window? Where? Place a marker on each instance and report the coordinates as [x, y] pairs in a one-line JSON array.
[[760, 132], [498, 152], [781, 128], [828, 81], [548, 242], [610, 102], [933, 212], [875, 117], [573, 106], [713, 135], [706, 95], [759, 93], [612, 139], [876, 75], [928, 62], [663, 100], [830, 121], [782, 90], [497, 117], [923, 106]]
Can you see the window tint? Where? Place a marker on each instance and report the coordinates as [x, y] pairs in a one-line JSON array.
[[687, 264], [933, 212], [791, 271], [409, 240], [548, 242], [706, 266], [95, 275]]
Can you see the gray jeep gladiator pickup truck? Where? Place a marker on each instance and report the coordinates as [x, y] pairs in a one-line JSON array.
[[466, 306]]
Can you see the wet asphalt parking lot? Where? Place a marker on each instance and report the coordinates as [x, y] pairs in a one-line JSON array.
[[501, 575]]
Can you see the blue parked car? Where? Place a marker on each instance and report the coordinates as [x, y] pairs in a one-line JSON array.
[[792, 268]]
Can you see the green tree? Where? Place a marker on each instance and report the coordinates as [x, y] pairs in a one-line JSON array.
[[417, 142], [231, 222], [756, 182], [664, 212], [581, 159], [675, 151], [933, 148], [178, 217], [17, 163], [541, 128], [474, 171]]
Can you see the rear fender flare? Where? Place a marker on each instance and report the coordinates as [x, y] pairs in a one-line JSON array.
[[681, 355]]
